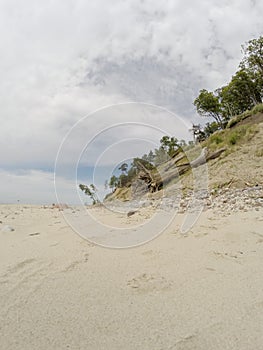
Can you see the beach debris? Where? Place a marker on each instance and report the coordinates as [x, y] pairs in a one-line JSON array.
[[155, 180], [34, 234], [59, 206], [226, 200], [7, 228], [131, 212]]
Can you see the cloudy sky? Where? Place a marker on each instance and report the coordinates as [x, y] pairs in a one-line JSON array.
[[61, 61]]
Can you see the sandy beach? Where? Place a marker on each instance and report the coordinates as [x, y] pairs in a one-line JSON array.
[[131, 167], [198, 291]]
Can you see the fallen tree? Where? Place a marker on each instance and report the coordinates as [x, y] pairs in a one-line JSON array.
[[156, 179]]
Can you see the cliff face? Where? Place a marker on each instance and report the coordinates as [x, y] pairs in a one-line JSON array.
[[233, 158]]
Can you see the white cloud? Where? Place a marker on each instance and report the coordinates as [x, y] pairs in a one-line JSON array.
[[32, 186]]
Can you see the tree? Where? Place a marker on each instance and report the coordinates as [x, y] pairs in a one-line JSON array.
[[198, 133], [244, 91], [210, 128], [182, 143], [90, 191], [240, 94], [113, 183], [173, 146], [253, 63], [161, 156], [253, 55], [132, 172], [123, 180], [169, 144], [138, 161], [208, 105], [151, 157], [123, 168], [145, 157], [165, 140]]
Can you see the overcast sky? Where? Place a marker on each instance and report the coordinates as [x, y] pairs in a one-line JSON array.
[[63, 60]]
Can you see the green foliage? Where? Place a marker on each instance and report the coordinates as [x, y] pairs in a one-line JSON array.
[[244, 91], [132, 172], [233, 139], [90, 191], [257, 109], [235, 120], [198, 133], [229, 138], [113, 183], [253, 55], [252, 62], [161, 156], [169, 144], [124, 168], [169, 147], [210, 128], [236, 135], [240, 94], [149, 157], [145, 163], [216, 138], [145, 157], [123, 180], [182, 143], [208, 105]]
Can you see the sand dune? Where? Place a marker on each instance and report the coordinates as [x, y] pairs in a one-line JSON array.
[[201, 291]]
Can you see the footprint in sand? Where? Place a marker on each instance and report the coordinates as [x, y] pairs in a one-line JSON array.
[[74, 264], [236, 255], [147, 252], [146, 283]]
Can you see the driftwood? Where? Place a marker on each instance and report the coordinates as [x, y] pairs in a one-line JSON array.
[[172, 162], [151, 177], [156, 180], [215, 154]]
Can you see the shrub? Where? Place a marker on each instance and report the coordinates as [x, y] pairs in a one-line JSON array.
[[217, 139], [235, 120], [258, 109], [259, 153], [237, 134], [233, 139]]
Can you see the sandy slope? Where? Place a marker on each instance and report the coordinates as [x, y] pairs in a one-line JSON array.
[[242, 166], [199, 291]]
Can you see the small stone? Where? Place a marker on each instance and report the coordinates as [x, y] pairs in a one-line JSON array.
[[7, 229], [130, 213], [34, 234], [183, 204]]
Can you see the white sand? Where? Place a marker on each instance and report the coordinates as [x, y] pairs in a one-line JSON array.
[[201, 291]]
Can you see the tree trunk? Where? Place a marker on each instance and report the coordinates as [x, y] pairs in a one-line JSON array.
[[157, 180]]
